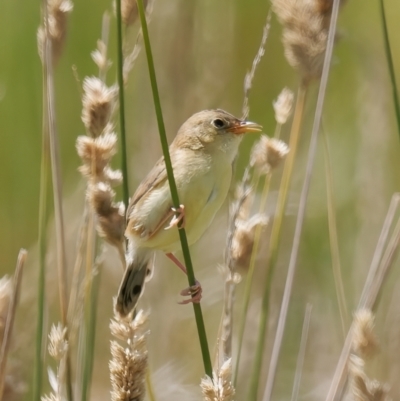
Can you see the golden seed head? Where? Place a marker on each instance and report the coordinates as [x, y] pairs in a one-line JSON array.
[[111, 216], [58, 11], [98, 103], [365, 343], [128, 365], [243, 239], [267, 153], [305, 32], [96, 154], [58, 345], [220, 388], [283, 106]]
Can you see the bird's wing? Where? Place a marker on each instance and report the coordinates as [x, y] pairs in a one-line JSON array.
[[137, 218], [155, 178]]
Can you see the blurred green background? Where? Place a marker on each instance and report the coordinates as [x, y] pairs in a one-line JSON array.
[[202, 50]]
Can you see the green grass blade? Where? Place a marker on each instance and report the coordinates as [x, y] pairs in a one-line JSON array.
[[390, 65], [120, 74], [174, 192]]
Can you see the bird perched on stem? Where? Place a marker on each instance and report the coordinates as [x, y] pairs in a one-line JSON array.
[[202, 154]]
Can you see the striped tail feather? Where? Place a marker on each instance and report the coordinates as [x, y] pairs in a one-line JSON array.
[[137, 272]]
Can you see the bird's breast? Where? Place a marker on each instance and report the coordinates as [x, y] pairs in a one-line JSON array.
[[203, 184]]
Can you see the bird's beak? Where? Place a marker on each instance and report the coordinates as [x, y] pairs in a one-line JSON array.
[[242, 127]]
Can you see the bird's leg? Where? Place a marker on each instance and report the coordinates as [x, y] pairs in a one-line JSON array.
[[194, 291], [179, 218]]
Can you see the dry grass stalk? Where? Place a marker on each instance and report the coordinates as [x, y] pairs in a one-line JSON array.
[[220, 387], [380, 266], [128, 365], [9, 300], [58, 347], [305, 33], [325, 69], [248, 80], [57, 11]]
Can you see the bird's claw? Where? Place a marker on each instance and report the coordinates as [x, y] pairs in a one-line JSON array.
[[195, 293], [179, 218]]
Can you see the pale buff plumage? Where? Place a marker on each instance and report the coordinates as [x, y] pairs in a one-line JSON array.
[[202, 155]]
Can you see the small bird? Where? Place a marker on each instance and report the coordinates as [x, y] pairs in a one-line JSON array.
[[202, 155]]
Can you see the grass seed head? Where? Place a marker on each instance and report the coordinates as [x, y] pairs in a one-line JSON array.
[[58, 345], [220, 388], [365, 342], [283, 106], [305, 33], [98, 103], [243, 239], [267, 153]]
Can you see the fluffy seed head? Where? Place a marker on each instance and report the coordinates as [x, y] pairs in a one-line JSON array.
[[361, 387], [365, 343], [58, 11], [57, 341], [283, 106], [96, 154], [128, 365], [243, 239], [267, 153], [111, 216], [305, 33], [98, 103], [221, 387]]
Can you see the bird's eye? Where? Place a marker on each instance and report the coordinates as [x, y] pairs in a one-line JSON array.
[[218, 123]]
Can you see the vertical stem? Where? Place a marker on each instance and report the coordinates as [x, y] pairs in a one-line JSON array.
[[390, 65], [120, 73], [174, 192], [57, 189], [44, 173], [333, 237], [250, 274], [275, 237]]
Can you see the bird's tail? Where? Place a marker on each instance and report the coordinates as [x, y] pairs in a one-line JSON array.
[[132, 286]]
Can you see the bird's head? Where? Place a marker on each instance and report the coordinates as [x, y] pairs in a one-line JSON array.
[[213, 130]]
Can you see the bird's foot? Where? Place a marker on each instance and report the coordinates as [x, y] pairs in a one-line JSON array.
[[179, 218], [195, 293]]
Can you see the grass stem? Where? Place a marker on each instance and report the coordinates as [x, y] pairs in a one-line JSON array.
[[120, 76], [250, 274], [333, 238], [390, 64], [275, 237], [174, 192]]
